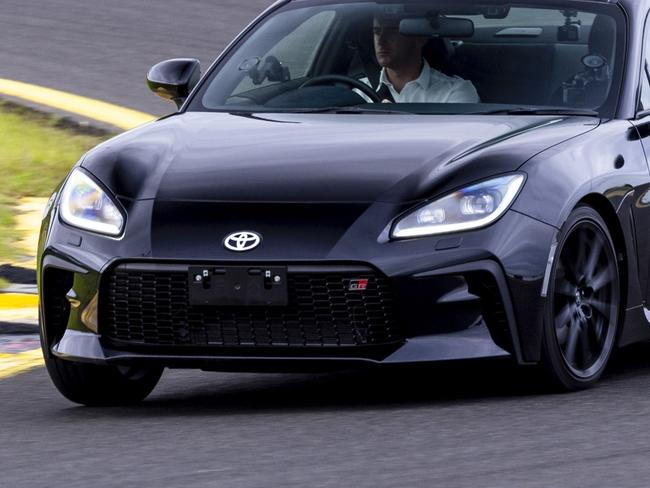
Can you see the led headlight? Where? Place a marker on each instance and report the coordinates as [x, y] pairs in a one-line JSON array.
[[469, 208], [85, 205]]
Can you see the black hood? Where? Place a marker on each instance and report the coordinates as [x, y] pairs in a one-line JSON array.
[[219, 157]]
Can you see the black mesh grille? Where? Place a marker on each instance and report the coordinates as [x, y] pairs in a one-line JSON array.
[[151, 307]]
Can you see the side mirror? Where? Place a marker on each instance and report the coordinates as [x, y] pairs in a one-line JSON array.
[[174, 79]]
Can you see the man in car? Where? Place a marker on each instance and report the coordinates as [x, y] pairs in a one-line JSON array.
[[406, 77]]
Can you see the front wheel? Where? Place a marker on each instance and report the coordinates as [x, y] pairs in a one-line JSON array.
[[97, 385], [583, 302]]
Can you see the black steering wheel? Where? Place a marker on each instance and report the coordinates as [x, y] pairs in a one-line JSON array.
[[346, 80]]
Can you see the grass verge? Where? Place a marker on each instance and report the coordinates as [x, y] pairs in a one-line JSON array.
[[36, 152]]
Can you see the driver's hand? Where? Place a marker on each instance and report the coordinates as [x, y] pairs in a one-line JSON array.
[[386, 100]]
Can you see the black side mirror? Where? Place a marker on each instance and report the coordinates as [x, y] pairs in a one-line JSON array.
[[174, 79]]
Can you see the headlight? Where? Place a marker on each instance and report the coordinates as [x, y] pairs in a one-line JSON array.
[[85, 205], [470, 208]]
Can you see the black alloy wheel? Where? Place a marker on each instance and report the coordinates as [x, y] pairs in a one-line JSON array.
[[583, 302]]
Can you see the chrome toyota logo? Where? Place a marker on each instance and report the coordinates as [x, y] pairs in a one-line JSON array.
[[242, 241]]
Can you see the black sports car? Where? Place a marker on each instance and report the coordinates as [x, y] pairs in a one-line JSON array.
[[362, 182]]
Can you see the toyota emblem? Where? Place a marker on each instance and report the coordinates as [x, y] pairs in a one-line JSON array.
[[242, 241]]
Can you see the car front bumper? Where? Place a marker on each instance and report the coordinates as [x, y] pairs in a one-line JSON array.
[[474, 295]]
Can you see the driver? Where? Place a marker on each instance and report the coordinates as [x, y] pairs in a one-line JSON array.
[[407, 76]]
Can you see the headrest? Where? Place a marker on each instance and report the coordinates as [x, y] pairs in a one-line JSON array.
[[438, 53], [602, 37]]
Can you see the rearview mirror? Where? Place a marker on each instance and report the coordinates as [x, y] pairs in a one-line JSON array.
[[174, 79], [437, 27]]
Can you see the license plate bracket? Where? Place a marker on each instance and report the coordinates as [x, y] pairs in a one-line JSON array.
[[238, 286]]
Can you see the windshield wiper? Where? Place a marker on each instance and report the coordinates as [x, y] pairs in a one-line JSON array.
[[342, 110], [541, 111]]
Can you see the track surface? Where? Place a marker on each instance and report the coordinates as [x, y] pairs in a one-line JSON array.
[[482, 424], [479, 425], [103, 48]]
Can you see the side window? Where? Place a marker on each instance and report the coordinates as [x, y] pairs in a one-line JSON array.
[[527, 17], [298, 49]]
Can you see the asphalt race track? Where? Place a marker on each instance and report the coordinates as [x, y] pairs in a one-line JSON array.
[[103, 48], [473, 425], [484, 424]]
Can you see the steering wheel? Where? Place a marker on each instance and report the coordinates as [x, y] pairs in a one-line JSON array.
[[347, 80]]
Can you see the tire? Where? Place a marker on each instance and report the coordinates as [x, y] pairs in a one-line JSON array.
[[583, 304], [95, 385]]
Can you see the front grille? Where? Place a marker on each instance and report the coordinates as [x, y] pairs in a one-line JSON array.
[[151, 306]]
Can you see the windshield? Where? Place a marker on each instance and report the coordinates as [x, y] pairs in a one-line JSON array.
[[424, 57]]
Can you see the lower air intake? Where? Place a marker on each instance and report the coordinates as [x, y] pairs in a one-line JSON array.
[[151, 306]]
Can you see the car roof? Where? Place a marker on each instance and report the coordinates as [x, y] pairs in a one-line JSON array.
[[629, 4]]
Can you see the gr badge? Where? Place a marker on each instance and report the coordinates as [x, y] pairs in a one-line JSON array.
[[358, 285]]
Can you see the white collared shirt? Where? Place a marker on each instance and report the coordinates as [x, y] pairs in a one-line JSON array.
[[431, 86]]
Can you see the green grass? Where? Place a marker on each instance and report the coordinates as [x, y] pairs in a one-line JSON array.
[[3, 283], [36, 152], [7, 234]]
